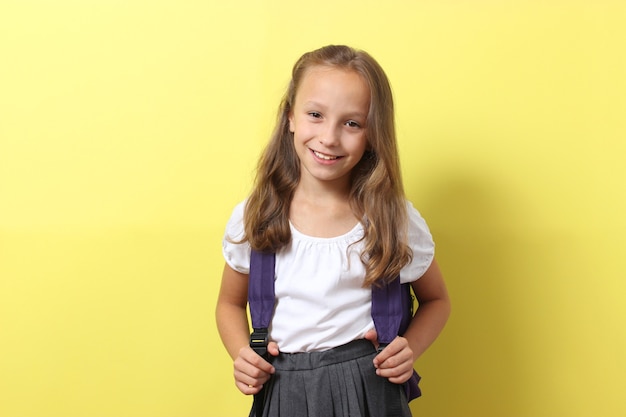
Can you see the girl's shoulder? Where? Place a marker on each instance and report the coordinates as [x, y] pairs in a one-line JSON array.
[[416, 221], [236, 253], [421, 243]]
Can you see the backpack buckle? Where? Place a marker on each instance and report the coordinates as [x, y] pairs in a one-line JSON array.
[[259, 340]]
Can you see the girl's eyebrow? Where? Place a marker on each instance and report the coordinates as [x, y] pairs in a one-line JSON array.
[[316, 104], [313, 103]]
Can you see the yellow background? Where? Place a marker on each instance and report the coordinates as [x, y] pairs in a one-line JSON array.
[[129, 130]]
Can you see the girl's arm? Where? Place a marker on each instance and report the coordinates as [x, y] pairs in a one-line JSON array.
[[396, 360], [251, 371], [432, 313]]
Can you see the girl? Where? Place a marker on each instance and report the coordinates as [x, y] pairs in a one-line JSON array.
[[329, 202]]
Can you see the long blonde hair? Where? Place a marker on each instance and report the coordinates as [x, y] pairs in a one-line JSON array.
[[376, 195]]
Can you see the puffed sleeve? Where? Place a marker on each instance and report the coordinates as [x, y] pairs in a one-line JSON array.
[[421, 243], [236, 255]]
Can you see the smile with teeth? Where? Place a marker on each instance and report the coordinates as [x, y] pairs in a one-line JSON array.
[[324, 156]]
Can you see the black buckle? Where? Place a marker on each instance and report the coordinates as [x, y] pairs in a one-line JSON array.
[[259, 340]]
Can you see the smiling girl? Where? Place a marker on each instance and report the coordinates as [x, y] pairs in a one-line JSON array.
[[328, 201]]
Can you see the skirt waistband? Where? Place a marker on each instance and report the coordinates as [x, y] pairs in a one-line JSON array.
[[311, 360]]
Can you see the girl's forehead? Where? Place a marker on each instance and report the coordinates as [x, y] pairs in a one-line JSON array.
[[321, 70], [334, 87], [319, 77]]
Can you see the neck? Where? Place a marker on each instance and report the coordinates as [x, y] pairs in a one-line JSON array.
[[323, 192], [322, 211]]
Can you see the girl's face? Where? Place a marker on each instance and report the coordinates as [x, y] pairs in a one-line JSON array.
[[328, 122]]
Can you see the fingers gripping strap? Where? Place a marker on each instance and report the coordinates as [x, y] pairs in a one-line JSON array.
[[261, 289], [387, 310]]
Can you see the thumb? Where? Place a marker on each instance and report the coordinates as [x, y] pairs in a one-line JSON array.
[[272, 348], [372, 336]]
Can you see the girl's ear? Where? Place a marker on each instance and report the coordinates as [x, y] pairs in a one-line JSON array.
[[290, 117]]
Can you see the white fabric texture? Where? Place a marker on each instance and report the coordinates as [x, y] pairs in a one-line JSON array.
[[320, 302]]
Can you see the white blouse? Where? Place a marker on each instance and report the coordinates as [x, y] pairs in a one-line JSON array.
[[320, 301]]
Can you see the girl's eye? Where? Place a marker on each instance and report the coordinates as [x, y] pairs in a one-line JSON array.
[[315, 114], [352, 123]]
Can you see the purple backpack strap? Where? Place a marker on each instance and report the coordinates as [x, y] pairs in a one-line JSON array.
[[261, 298], [387, 310], [261, 295]]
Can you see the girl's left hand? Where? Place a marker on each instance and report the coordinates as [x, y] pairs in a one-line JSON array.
[[395, 362]]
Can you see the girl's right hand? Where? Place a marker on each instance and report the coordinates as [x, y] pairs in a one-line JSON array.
[[251, 370]]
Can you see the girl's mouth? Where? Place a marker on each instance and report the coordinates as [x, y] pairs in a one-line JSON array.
[[324, 156]]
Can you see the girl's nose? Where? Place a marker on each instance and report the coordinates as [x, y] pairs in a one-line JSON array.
[[330, 136]]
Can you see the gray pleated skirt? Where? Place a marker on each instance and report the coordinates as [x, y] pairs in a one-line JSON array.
[[339, 382]]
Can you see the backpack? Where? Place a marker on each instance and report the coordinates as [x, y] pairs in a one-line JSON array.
[[392, 311]]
